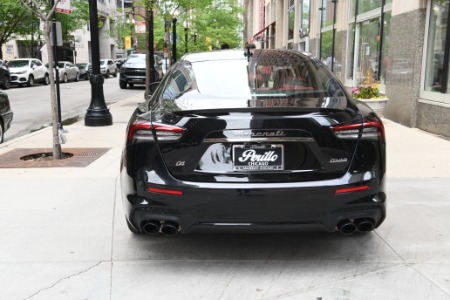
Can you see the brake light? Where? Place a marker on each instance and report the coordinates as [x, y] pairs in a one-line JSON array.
[[352, 189], [143, 131], [370, 129]]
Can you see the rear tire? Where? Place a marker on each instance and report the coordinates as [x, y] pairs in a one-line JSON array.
[[107, 74], [77, 77], [115, 73]]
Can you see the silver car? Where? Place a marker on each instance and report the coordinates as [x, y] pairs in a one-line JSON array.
[[68, 71]]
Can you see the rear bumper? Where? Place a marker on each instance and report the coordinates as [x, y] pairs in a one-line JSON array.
[[253, 207]]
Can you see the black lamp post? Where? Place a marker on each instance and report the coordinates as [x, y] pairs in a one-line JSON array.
[[150, 57], [97, 114], [174, 40], [334, 35], [186, 36]]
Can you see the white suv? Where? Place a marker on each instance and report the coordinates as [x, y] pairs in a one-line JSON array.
[[28, 71], [108, 67]]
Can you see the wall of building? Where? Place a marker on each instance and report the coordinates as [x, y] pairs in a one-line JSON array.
[[403, 88]]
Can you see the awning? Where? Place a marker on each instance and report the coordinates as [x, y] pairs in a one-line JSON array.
[[261, 31]]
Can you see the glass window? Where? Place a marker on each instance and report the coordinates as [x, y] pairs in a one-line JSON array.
[[436, 45], [351, 52], [327, 13], [305, 16], [327, 46], [369, 43], [291, 21], [385, 59], [368, 5]]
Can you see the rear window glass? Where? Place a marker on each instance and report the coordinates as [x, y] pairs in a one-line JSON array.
[[267, 75]]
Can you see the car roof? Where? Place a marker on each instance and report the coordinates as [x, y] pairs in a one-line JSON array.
[[214, 55]]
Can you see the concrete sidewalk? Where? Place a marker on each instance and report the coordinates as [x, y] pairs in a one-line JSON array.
[[63, 235]]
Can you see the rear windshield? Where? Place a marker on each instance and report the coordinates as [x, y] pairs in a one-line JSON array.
[[268, 75]]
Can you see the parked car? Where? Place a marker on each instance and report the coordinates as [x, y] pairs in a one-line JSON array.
[[67, 71], [5, 77], [6, 115], [107, 68], [85, 73], [133, 70], [119, 62], [227, 143], [27, 71]]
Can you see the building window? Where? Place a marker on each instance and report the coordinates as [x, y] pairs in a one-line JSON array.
[[368, 41], [436, 76], [327, 33], [291, 23]]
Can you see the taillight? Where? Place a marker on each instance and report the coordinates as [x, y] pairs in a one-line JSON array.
[[141, 131], [370, 129]]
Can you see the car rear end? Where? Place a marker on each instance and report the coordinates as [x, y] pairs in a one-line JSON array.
[[248, 151]]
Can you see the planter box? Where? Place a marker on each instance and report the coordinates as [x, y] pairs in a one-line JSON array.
[[377, 105]]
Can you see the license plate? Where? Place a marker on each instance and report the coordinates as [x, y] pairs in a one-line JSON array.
[[258, 158]]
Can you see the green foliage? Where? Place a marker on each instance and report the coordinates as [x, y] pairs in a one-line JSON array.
[[16, 21], [76, 20]]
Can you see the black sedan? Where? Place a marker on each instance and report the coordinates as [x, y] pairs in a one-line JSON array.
[[266, 141], [6, 115]]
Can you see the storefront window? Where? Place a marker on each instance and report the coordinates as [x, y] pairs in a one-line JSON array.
[[434, 79], [385, 58], [351, 52], [369, 43], [368, 5], [291, 21], [327, 47], [305, 16], [368, 54], [327, 13]]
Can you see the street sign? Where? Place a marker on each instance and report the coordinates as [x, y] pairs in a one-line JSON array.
[[59, 41], [64, 7]]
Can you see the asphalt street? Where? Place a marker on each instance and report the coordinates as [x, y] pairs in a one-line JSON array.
[[63, 235]]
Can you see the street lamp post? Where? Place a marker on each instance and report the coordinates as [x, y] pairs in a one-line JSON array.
[[97, 114], [150, 57], [174, 40], [186, 36]]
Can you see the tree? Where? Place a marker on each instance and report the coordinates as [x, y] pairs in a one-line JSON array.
[[15, 21], [42, 10]]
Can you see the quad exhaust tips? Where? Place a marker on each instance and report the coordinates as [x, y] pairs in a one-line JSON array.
[[165, 227], [363, 225]]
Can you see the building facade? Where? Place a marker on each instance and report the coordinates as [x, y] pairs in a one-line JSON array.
[[403, 45]]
